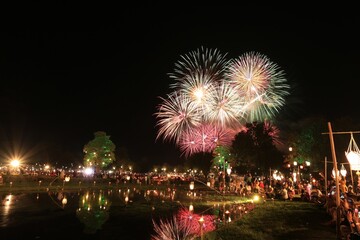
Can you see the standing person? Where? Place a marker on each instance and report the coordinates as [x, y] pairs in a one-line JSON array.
[[284, 193], [308, 190], [291, 192], [221, 182], [343, 186]]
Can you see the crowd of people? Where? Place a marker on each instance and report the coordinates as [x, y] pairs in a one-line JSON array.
[[283, 189], [348, 214]]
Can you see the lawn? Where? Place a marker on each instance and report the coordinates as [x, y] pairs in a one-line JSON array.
[[280, 220]]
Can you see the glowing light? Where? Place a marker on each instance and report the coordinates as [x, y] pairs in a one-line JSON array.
[[191, 186], [64, 201], [256, 198], [354, 160], [89, 171], [191, 208], [15, 163], [343, 171]]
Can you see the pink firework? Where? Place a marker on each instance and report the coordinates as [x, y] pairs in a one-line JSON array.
[[189, 220], [273, 132], [205, 138]]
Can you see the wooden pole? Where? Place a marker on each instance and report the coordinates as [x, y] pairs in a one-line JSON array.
[[337, 193], [326, 187]]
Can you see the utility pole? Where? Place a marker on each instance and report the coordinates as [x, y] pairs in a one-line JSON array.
[[326, 191], [338, 233]]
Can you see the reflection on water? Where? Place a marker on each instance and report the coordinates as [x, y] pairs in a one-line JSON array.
[[11, 203], [6, 203], [94, 207], [93, 211]]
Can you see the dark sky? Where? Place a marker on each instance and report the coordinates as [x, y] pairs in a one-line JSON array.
[[67, 71]]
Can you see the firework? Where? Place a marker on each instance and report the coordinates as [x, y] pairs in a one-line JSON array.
[[260, 82], [224, 106], [171, 229], [197, 73], [177, 115], [205, 138], [213, 95], [273, 132], [190, 221]]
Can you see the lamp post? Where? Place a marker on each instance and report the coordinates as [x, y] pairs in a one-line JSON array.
[[66, 179], [228, 171], [192, 186], [298, 170], [201, 223]]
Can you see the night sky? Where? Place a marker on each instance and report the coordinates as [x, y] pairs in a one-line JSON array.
[[70, 72]]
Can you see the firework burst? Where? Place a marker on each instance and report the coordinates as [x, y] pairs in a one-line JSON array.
[[213, 95], [177, 115], [260, 82], [273, 132], [205, 138], [197, 73], [224, 107], [171, 229], [189, 220]]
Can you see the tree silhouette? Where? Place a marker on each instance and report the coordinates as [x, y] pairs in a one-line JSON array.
[[255, 148]]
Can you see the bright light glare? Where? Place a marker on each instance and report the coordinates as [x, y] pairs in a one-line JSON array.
[[89, 171], [15, 163], [256, 198]]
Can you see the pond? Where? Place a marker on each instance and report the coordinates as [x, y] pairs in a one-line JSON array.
[[119, 213]]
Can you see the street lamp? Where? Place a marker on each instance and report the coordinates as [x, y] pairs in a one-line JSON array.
[[228, 171], [66, 179], [298, 169], [201, 223], [191, 186]]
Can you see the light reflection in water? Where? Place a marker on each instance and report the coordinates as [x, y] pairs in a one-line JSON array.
[[92, 207], [93, 210], [6, 203]]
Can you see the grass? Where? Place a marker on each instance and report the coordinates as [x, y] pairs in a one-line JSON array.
[[277, 220]]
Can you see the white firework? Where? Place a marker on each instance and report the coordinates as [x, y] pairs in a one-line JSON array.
[[197, 73], [224, 107], [260, 82], [177, 115]]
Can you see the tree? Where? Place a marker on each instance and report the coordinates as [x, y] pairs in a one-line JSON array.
[[255, 149], [222, 159], [308, 143], [99, 152]]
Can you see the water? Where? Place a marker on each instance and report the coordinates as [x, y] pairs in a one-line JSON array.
[[99, 214]]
